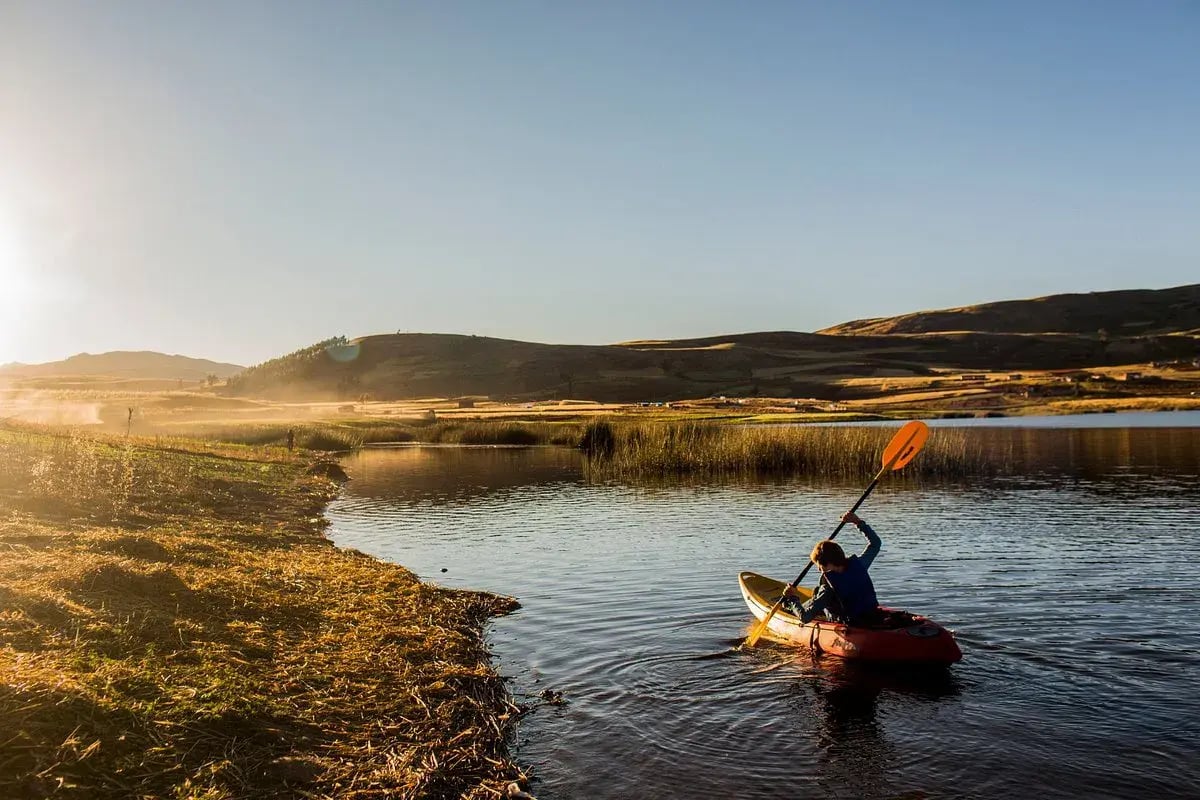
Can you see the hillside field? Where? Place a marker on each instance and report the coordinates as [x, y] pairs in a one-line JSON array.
[[944, 393]]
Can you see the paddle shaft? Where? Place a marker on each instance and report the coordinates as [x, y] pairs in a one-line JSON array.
[[762, 625], [842, 524]]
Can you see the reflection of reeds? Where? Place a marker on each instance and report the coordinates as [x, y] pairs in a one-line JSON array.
[[632, 449]]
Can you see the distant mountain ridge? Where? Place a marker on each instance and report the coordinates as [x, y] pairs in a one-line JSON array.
[[1131, 312], [133, 364]]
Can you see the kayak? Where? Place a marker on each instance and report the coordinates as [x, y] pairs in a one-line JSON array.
[[904, 637]]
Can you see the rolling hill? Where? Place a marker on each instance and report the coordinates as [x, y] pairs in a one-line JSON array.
[[1136, 312], [779, 364], [139, 365]]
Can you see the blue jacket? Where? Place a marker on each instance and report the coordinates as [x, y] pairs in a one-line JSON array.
[[852, 588]]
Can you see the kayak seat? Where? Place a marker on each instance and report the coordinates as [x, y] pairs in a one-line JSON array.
[[886, 619]]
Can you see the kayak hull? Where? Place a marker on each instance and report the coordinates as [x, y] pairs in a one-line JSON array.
[[923, 641]]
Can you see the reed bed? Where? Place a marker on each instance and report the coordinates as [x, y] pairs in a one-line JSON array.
[[632, 450], [327, 437], [353, 434], [484, 432], [174, 624]]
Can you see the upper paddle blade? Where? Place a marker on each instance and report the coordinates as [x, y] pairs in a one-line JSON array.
[[905, 445]]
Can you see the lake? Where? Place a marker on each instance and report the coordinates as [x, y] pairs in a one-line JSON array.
[[1123, 419], [1070, 585]]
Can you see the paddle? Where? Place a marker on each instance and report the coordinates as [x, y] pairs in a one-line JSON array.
[[903, 447]]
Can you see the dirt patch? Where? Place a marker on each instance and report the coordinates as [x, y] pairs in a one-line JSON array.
[[140, 547]]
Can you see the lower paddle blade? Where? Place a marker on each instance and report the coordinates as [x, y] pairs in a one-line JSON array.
[[905, 445], [761, 627]]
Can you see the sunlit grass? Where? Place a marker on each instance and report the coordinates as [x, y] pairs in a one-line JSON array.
[[630, 449], [501, 433], [173, 623], [331, 436], [322, 436]]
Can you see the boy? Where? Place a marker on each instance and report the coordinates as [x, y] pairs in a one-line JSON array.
[[845, 590]]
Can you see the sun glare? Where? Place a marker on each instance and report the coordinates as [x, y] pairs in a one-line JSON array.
[[16, 282]]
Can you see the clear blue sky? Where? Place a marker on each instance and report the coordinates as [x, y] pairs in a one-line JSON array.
[[237, 180]]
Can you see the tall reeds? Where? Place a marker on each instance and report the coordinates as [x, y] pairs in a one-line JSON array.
[[635, 449], [322, 436], [484, 432], [69, 471], [351, 435]]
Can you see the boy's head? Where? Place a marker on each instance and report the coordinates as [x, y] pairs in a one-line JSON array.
[[828, 556]]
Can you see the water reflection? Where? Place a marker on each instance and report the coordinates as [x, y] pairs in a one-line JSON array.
[[854, 753], [1090, 453], [842, 704], [441, 475]]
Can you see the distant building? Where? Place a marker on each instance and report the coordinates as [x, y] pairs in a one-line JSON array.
[[1130, 376], [1014, 376], [973, 376]]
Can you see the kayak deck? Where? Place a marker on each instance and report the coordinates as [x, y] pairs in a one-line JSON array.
[[920, 640]]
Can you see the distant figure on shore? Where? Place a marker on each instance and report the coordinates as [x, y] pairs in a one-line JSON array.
[[291, 438]]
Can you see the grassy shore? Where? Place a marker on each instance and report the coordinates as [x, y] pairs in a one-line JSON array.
[[337, 436], [174, 624]]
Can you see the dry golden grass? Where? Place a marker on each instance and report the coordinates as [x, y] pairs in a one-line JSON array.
[[328, 436], [174, 624], [631, 450], [344, 435]]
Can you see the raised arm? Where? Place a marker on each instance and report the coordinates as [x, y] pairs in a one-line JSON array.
[[874, 543]]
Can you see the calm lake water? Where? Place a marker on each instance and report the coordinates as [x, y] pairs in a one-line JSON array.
[[1123, 419], [1071, 587]]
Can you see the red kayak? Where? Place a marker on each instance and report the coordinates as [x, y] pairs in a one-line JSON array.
[[902, 638]]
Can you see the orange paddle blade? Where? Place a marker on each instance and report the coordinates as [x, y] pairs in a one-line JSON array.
[[905, 445]]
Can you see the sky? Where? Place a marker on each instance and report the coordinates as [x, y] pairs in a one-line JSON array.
[[235, 180]]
